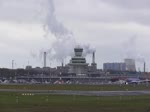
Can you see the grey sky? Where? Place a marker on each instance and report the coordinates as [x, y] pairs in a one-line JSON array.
[[108, 25]]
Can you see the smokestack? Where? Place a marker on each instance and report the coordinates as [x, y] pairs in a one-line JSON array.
[[45, 55], [144, 67], [12, 64], [62, 63], [93, 59]]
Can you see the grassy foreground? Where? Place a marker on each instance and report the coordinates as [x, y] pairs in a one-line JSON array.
[[78, 87], [17, 102]]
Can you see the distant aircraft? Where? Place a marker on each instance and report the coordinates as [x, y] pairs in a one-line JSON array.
[[5, 82], [136, 81]]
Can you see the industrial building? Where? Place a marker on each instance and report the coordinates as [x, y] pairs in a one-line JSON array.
[[127, 65], [114, 67]]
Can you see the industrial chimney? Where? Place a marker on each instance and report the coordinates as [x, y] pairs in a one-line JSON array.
[[144, 67], [93, 65], [62, 64], [93, 59], [12, 64], [45, 55]]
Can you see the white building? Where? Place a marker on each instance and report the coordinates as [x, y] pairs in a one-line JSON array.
[[114, 66], [78, 63]]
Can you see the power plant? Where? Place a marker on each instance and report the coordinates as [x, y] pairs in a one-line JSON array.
[[77, 71]]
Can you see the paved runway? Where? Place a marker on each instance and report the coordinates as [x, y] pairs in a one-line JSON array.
[[83, 93]]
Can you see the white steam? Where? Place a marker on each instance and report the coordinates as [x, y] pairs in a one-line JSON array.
[[65, 41], [88, 49], [130, 48], [52, 24], [42, 11], [131, 52]]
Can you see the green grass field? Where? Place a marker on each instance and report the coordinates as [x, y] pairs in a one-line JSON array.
[[78, 87], [16, 102]]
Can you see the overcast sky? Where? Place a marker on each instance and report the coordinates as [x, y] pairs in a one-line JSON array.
[[116, 28]]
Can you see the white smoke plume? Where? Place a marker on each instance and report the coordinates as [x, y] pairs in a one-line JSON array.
[[88, 49], [61, 49], [52, 24], [140, 59], [130, 48], [65, 41], [42, 11]]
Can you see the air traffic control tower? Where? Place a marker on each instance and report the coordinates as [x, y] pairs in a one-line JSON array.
[[78, 63]]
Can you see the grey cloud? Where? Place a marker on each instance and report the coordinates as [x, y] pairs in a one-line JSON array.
[[85, 17], [82, 10], [130, 4], [21, 10], [107, 11]]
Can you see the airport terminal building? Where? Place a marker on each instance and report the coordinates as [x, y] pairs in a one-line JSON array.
[[78, 63]]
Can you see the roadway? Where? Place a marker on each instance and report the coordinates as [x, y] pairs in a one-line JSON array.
[[81, 93]]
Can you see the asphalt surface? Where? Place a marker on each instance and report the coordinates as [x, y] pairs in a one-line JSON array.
[[82, 93]]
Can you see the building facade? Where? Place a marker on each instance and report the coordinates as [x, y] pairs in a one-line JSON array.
[[114, 66], [78, 63]]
